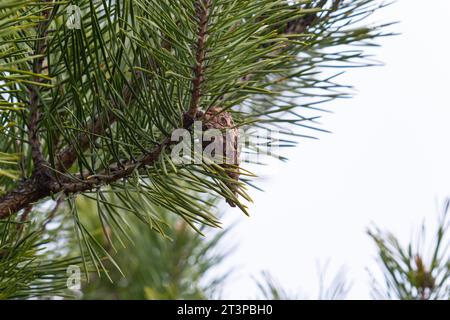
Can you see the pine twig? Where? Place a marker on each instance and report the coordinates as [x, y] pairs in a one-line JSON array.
[[35, 114], [202, 12]]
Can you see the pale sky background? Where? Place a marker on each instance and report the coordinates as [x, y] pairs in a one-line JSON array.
[[387, 161]]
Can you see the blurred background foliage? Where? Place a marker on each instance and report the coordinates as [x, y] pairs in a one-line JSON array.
[[173, 264], [35, 255]]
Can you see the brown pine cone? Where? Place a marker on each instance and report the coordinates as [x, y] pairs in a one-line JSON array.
[[215, 118]]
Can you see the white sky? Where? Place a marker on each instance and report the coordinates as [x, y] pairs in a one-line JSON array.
[[387, 161]]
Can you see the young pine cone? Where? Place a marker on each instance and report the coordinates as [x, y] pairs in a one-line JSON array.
[[214, 118]]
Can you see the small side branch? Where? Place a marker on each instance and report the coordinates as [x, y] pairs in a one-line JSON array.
[[202, 13], [37, 68], [68, 156]]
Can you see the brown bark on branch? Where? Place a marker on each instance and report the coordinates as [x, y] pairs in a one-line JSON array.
[[202, 13], [35, 112]]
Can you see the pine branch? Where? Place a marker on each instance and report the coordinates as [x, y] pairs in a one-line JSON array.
[[28, 192], [52, 180], [38, 185], [31, 190]]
